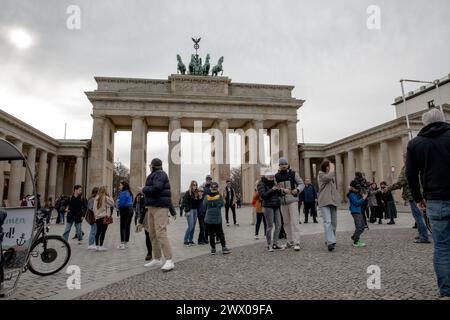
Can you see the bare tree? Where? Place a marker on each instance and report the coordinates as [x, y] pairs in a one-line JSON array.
[[120, 173], [236, 179]]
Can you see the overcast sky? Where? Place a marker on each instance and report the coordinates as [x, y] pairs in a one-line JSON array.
[[347, 74]]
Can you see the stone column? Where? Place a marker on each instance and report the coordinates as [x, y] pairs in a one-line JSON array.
[[79, 171], [60, 178], [384, 161], [52, 177], [174, 158], [339, 174], [307, 166], [31, 159], [15, 179], [224, 161], [366, 167], [2, 175], [350, 166], [284, 138], [98, 153], [293, 145], [137, 154], [42, 174]]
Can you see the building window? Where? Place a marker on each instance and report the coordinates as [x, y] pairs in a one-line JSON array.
[[109, 155], [110, 136], [431, 104]]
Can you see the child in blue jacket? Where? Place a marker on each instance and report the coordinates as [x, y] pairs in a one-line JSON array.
[[356, 203]]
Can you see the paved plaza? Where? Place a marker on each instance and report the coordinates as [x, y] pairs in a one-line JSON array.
[[249, 272]]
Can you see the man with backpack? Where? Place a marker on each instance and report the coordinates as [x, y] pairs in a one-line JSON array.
[[291, 185]]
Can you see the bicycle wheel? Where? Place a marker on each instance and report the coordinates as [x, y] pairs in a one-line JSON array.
[[427, 222], [49, 256]]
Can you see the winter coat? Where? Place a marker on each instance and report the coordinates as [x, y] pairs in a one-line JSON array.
[[356, 202], [269, 196], [105, 209], [125, 199], [213, 204], [402, 183], [428, 155], [190, 201], [77, 207], [157, 190], [328, 194], [308, 194], [257, 202], [232, 194], [289, 179]]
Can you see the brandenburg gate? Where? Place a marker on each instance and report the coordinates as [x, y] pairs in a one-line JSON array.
[[143, 105]]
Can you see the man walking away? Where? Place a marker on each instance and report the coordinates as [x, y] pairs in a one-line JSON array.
[[158, 201], [428, 157]]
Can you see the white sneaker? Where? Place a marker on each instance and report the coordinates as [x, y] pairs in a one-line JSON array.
[[154, 263], [121, 246], [169, 265], [297, 247], [92, 247], [102, 248], [256, 237]]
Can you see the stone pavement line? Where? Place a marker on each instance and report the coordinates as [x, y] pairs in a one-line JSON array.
[[250, 272], [99, 269]]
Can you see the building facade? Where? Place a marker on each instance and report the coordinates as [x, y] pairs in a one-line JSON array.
[[57, 165], [378, 151]]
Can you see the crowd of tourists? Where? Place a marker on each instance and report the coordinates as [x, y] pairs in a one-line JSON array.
[[277, 199]]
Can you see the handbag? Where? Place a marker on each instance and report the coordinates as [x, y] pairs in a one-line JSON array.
[[108, 220], [90, 216]]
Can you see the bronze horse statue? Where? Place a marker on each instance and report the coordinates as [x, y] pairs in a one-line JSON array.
[[181, 67], [217, 68], [206, 66]]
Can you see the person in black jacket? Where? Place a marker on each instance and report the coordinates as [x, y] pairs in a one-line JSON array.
[[428, 161], [270, 194], [74, 211], [158, 201]]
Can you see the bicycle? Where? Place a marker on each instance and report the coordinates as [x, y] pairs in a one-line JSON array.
[[45, 250]]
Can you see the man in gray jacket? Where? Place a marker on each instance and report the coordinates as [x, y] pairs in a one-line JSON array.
[[290, 185]]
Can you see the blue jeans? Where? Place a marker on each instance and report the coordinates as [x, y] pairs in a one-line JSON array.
[[92, 234], [439, 213], [329, 216], [69, 225], [191, 220], [61, 216], [421, 227]]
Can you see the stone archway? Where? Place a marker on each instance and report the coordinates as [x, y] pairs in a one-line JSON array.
[[143, 105]]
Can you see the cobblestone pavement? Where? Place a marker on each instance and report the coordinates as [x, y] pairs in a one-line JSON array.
[[99, 269], [251, 272]]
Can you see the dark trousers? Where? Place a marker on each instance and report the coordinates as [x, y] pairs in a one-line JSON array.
[[233, 210], [216, 229], [202, 236], [359, 226], [126, 216], [374, 214], [260, 217], [310, 206], [148, 243], [101, 232]]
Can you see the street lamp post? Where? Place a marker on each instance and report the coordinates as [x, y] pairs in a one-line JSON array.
[[435, 82]]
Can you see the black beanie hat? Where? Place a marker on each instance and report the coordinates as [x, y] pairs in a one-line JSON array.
[[156, 163]]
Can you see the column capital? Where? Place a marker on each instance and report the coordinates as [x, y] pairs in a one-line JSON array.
[[98, 116], [174, 118], [137, 117]]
